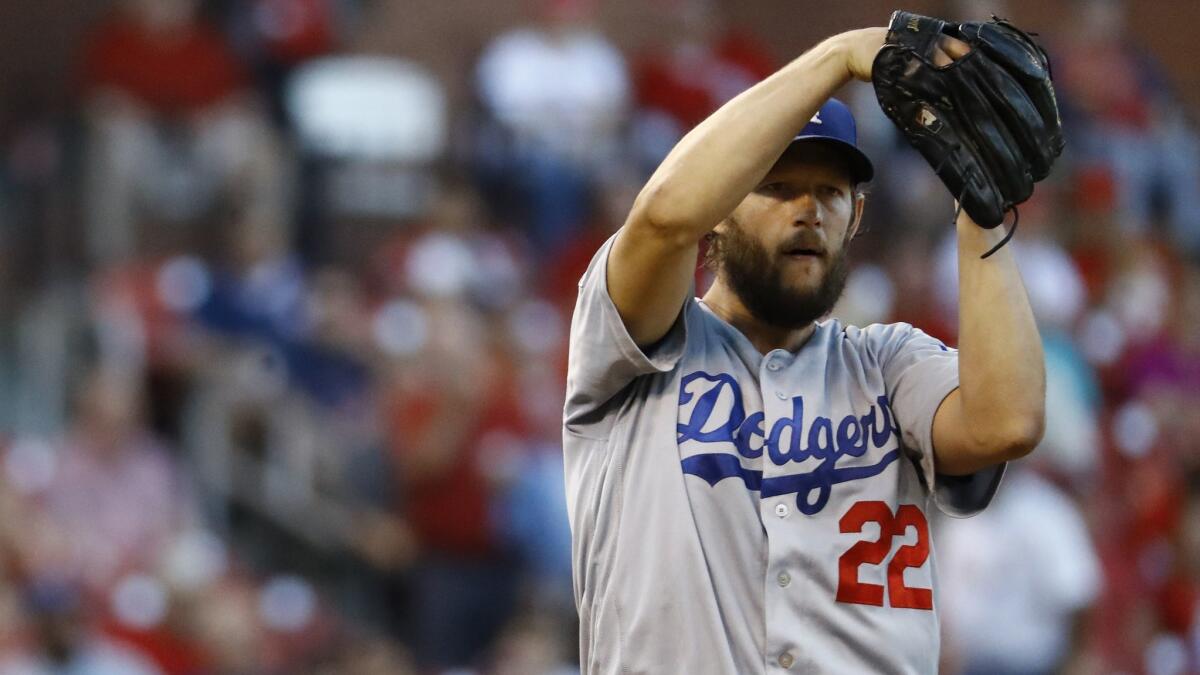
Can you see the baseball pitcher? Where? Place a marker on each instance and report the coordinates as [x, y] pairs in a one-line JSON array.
[[750, 485]]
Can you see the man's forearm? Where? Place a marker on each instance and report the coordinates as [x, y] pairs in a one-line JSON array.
[[1002, 379], [719, 162]]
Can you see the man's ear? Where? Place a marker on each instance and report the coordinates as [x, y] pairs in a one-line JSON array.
[[860, 202]]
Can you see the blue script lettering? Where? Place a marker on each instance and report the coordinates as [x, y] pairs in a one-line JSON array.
[[880, 434], [792, 425], [850, 437], [789, 441], [693, 429], [820, 439], [753, 426]]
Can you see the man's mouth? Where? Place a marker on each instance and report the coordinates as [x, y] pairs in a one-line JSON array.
[[803, 252]]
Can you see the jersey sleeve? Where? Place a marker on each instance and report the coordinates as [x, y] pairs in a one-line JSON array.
[[603, 358], [919, 372]]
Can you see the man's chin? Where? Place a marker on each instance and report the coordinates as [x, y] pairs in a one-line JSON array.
[[790, 310], [804, 277]]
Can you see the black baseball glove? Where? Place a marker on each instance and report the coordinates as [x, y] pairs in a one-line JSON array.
[[988, 122]]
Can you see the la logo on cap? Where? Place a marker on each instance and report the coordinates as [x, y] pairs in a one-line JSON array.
[[816, 119]]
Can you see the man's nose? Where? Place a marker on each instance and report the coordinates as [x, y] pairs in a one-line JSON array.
[[807, 210]]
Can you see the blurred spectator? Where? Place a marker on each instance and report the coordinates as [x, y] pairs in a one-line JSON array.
[[1016, 580], [454, 253], [1072, 441], [1126, 118], [558, 93], [173, 131], [370, 655], [1179, 595], [450, 417], [66, 644], [532, 509], [227, 629], [115, 497], [1169, 364], [700, 63], [274, 36], [531, 645]]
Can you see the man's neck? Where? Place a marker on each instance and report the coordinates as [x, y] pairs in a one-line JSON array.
[[765, 337]]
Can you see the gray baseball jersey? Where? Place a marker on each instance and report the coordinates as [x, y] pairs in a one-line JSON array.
[[734, 512]]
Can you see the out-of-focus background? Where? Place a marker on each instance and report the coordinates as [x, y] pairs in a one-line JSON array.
[[284, 292]]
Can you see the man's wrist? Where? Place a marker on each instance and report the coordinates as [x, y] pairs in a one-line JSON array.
[[856, 50], [976, 240], [840, 49]]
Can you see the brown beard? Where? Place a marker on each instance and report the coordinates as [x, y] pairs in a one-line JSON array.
[[757, 279]]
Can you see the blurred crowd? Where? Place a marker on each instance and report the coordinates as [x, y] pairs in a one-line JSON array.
[[283, 327]]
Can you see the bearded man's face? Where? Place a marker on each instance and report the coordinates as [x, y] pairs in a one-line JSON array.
[[783, 250]]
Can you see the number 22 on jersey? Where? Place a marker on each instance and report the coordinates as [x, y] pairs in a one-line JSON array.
[[868, 552]]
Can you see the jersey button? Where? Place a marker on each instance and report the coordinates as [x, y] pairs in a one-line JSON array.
[[773, 365], [784, 579], [781, 396], [786, 660], [781, 510]]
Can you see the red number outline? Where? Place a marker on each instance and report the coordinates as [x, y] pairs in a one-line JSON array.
[[867, 552]]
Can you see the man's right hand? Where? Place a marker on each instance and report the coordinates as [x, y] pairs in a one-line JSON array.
[[860, 47]]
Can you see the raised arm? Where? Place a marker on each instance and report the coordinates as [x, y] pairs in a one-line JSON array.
[[998, 411], [711, 170]]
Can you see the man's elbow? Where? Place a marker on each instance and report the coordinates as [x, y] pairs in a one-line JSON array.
[[661, 213], [1017, 437]]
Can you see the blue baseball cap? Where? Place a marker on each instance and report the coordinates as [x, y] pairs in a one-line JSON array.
[[834, 124]]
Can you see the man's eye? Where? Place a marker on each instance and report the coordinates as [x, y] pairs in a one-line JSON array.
[[773, 188], [831, 190]]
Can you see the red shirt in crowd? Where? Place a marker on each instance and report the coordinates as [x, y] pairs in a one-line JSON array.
[[182, 71], [689, 87], [449, 507]]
